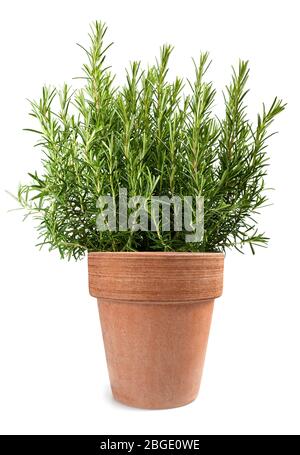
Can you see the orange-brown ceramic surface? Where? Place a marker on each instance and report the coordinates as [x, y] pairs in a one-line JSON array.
[[155, 311], [156, 277]]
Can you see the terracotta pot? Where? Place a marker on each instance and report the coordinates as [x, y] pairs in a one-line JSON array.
[[155, 312]]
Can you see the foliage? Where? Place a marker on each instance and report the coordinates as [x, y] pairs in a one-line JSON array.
[[151, 138]]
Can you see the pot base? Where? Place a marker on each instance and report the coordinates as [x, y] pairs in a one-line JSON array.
[[155, 351], [138, 406]]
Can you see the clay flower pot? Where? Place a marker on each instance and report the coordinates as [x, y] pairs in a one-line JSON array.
[[155, 312]]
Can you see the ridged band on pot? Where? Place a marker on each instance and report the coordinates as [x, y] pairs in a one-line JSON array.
[[155, 312], [152, 277]]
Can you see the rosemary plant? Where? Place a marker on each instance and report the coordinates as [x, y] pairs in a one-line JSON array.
[[152, 139]]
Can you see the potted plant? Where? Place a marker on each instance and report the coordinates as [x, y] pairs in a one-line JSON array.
[[154, 187]]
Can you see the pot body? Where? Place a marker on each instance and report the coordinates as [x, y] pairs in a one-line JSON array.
[[155, 312]]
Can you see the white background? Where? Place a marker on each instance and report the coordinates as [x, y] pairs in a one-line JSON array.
[[53, 377]]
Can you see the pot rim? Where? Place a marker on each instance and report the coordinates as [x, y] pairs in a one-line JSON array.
[[155, 276], [156, 253]]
